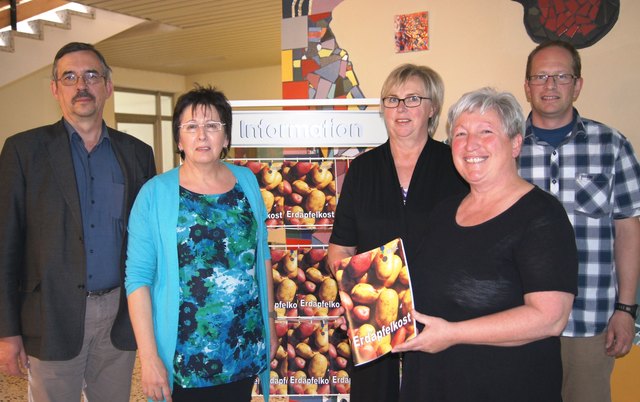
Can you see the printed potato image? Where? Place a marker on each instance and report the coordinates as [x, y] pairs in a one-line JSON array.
[[302, 272], [387, 307], [296, 193], [270, 177], [309, 364], [315, 201], [321, 176], [332, 202], [278, 382], [318, 365], [312, 199], [341, 382], [314, 347], [403, 276], [298, 383], [364, 293], [387, 267], [317, 289], [344, 349], [314, 274], [273, 187], [254, 166], [268, 198], [328, 289], [383, 348], [359, 264], [375, 292], [301, 188], [290, 266], [286, 290]]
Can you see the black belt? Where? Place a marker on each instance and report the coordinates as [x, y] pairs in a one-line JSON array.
[[101, 292]]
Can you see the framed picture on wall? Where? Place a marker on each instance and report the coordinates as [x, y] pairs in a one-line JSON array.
[[411, 32]]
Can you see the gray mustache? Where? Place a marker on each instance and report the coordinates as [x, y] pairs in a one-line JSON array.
[[83, 94]]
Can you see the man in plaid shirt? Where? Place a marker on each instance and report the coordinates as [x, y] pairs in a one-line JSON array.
[[591, 168]]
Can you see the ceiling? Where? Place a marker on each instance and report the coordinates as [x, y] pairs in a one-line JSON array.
[[194, 36]]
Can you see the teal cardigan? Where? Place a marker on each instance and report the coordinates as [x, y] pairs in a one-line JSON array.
[[152, 257]]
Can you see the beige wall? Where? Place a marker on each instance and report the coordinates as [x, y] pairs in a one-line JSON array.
[[479, 43], [28, 102], [148, 80], [248, 84], [473, 44]]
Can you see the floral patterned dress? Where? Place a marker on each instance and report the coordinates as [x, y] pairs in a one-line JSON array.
[[220, 329]]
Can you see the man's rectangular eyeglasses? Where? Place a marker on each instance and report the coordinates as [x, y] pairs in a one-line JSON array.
[[208, 127], [560, 79], [89, 77], [392, 102]]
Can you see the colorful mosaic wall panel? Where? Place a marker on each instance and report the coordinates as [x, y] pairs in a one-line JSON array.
[[311, 54]]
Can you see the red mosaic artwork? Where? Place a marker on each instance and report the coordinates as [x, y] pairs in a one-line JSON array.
[[580, 22], [569, 17]]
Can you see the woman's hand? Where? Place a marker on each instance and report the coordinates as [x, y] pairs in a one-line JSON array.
[[155, 383], [542, 315], [434, 338]]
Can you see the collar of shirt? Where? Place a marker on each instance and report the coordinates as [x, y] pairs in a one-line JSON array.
[[73, 133], [573, 129]]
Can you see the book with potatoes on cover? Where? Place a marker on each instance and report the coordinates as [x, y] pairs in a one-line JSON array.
[[375, 291]]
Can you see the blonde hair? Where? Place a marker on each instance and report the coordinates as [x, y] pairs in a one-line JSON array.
[[432, 83]]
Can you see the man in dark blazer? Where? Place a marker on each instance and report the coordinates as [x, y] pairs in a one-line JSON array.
[[65, 195]]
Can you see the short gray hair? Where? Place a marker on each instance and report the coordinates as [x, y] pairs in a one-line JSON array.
[[484, 99]]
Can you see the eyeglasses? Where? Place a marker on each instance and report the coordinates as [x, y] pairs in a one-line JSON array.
[[560, 79], [89, 77], [392, 102], [209, 127]]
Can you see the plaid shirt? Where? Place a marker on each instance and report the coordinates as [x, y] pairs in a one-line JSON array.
[[596, 176]]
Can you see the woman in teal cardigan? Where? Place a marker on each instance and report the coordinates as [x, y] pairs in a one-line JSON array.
[[198, 272]]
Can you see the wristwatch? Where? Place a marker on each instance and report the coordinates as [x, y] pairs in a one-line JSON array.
[[631, 309]]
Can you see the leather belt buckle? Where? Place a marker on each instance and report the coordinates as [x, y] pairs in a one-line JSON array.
[[101, 292]]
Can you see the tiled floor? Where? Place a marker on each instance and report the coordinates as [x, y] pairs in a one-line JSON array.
[[14, 389]]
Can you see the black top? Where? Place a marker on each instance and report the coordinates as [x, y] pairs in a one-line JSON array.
[[371, 211], [467, 272]]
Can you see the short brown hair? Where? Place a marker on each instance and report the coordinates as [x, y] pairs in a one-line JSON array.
[[575, 56]]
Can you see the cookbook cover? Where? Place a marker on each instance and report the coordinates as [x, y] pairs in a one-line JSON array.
[[375, 291]]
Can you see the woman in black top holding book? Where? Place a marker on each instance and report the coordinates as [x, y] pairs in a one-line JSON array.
[[390, 190], [496, 273]]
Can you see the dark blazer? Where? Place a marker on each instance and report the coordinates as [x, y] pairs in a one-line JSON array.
[[42, 255]]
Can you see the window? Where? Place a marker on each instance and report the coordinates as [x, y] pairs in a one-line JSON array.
[[147, 116]]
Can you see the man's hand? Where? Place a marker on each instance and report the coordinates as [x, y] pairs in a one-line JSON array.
[[13, 358], [620, 334]]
